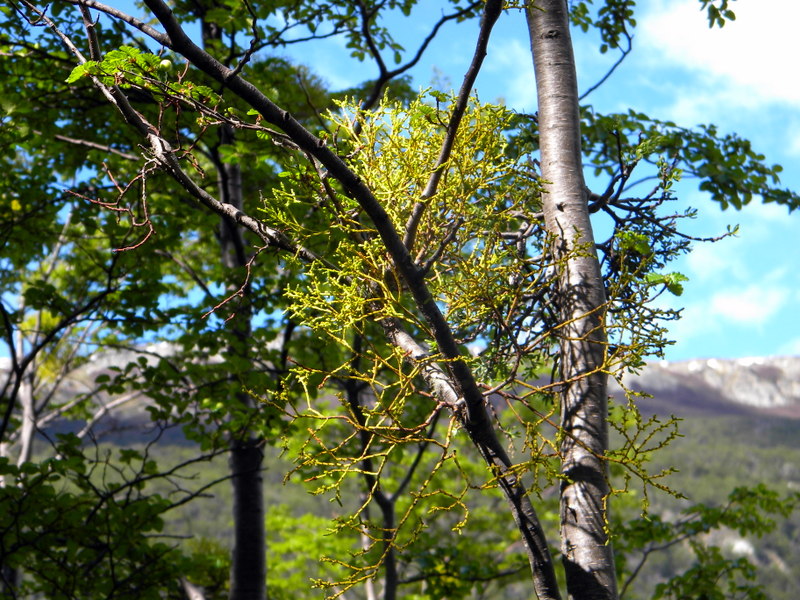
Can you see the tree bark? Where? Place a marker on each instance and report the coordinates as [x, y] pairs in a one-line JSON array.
[[587, 555], [248, 576], [249, 559]]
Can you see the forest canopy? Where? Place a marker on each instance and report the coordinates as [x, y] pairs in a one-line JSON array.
[[401, 292]]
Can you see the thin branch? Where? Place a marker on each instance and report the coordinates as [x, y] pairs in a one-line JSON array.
[[105, 409], [187, 268], [91, 32], [64, 369], [253, 41], [491, 12], [386, 75], [608, 74], [151, 32], [446, 241], [417, 459], [20, 366], [366, 17], [94, 145], [461, 577]]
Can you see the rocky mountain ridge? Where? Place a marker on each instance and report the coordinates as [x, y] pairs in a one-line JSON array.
[[766, 386], [759, 386]]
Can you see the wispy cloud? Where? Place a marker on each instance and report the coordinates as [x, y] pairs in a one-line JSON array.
[[739, 258], [735, 322], [790, 348], [740, 294], [748, 55], [712, 262], [752, 306], [511, 57]]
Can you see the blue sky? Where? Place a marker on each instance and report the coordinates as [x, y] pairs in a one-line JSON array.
[[742, 295]]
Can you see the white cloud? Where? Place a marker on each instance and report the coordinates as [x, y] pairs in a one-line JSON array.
[[709, 262], [752, 306], [694, 322], [790, 348], [713, 327], [511, 57], [749, 60], [767, 214], [766, 238]]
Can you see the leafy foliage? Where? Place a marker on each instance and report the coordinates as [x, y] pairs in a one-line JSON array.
[[128, 259], [726, 166], [81, 528]]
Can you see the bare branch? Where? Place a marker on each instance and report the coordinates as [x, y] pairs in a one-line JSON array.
[[604, 78], [94, 145], [386, 75], [491, 12], [105, 409], [122, 16]]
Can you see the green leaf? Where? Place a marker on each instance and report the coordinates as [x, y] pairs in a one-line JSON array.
[[672, 281], [81, 70]]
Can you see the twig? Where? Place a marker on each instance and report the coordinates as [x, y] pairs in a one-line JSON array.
[[386, 75], [491, 12], [608, 74], [96, 146]]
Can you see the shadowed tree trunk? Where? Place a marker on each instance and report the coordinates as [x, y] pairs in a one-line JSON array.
[[587, 556], [248, 561], [248, 578]]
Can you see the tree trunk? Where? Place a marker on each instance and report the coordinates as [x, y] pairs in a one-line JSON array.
[[587, 555], [248, 577], [248, 561], [27, 419]]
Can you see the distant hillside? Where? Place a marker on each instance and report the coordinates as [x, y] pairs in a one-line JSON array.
[[741, 428], [768, 387]]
